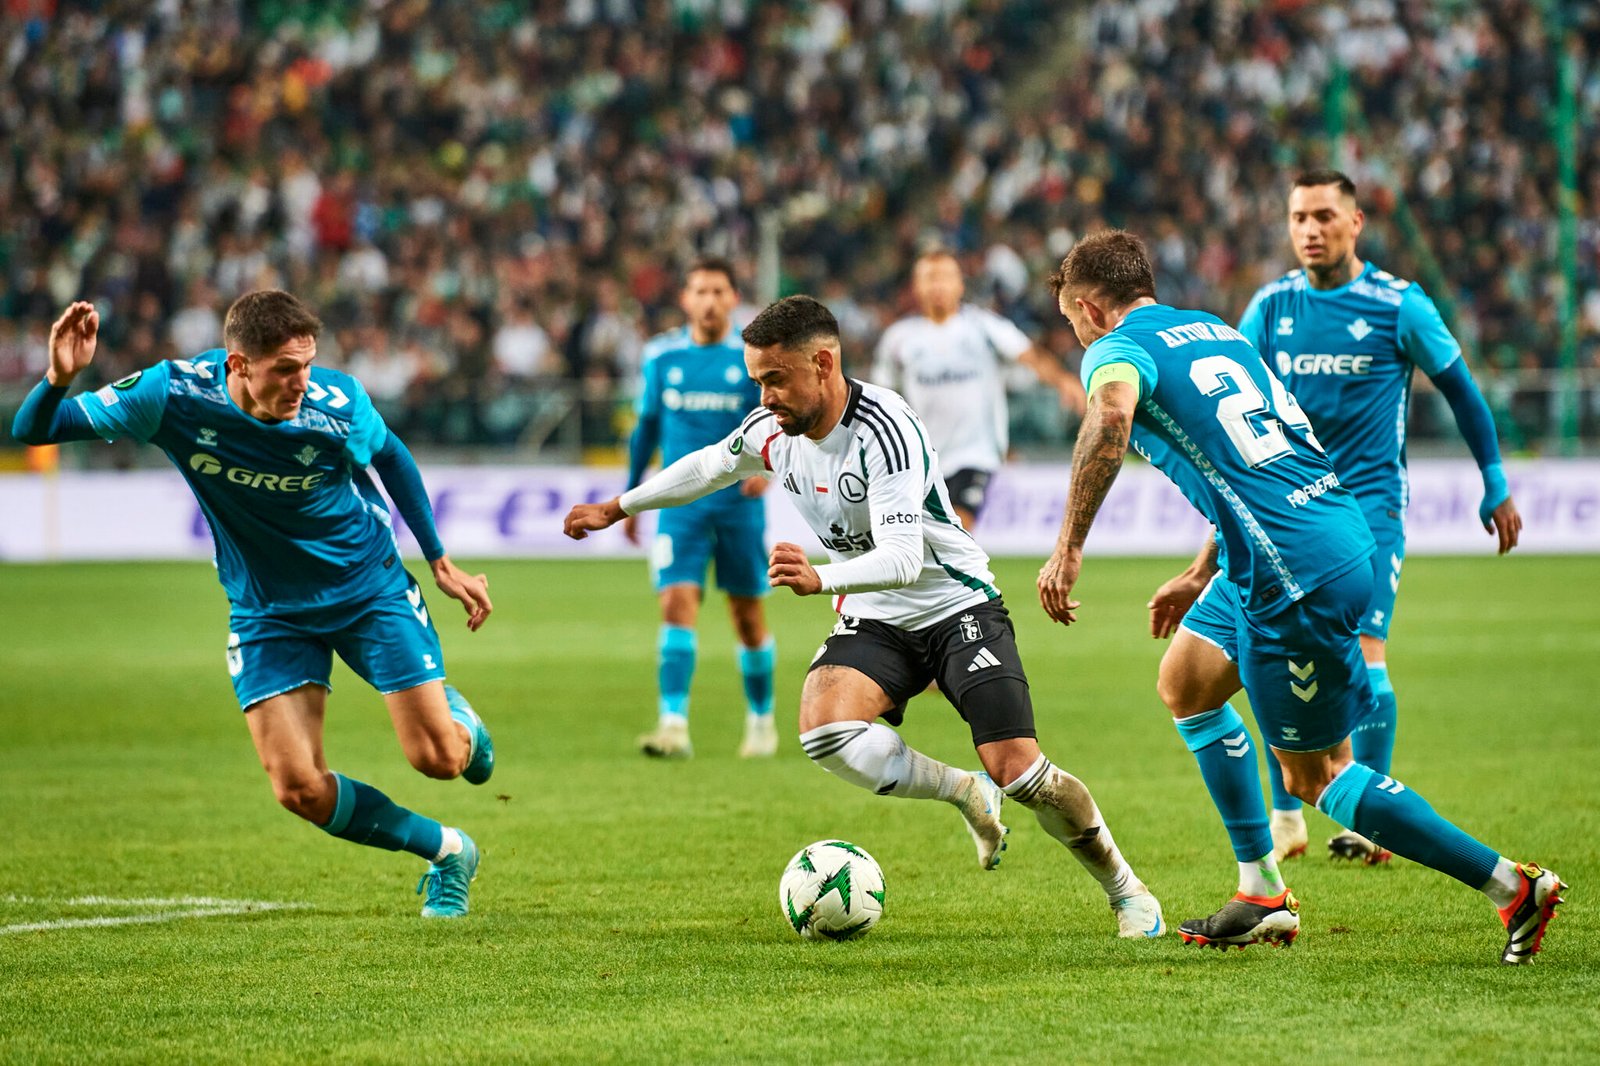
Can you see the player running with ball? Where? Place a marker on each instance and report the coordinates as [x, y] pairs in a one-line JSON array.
[[1196, 398], [916, 601], [275, 451]]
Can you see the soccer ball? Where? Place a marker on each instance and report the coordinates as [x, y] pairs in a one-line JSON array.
[[831, 889]]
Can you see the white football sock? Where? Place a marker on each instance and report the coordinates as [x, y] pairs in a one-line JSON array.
[[1504, 884], [449, 844], [878, 759], [1260, 878], [1068, 812]]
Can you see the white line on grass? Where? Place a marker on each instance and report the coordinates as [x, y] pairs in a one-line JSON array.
[[192, 907]]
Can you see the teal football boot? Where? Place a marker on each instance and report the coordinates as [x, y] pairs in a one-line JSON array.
[[481, 765], [446, 882]]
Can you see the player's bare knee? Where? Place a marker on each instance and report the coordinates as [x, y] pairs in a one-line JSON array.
[[1180, 696], [306, 795], [1008, 760], [438, 758]]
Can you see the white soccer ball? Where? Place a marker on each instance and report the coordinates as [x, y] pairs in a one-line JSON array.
[[831, 889]]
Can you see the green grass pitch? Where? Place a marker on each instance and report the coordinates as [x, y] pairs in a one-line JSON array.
[[626, 910]]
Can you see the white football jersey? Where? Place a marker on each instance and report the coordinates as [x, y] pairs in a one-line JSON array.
[[952, 373], [872, 492]]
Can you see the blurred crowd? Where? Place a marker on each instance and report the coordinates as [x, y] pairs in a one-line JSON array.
[[490, 204]]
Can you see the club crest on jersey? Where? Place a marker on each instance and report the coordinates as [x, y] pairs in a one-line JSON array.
[[970, 630], [1359, 328], [852, 487], [307, 455], [1286, 326], [207, 437]]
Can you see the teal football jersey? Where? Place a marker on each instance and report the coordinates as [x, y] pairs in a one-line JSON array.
[[700, 394], [1214, 419], [296, 521], [1347, 355]]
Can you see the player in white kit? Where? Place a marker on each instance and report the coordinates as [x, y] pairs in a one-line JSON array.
[[950, 363], [916, 600]]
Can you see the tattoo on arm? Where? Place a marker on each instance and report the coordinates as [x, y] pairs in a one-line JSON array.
[[1096, 460]]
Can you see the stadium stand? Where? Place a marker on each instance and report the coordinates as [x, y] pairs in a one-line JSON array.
[[489, 203]]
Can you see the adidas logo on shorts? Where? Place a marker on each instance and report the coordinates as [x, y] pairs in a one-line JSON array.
[[984, 659]]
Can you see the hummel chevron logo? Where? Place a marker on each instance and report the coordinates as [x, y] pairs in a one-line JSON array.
[[983, 660], [317, 392], [418, 608], [1304, 692], [1237, 747], [1359, 328]]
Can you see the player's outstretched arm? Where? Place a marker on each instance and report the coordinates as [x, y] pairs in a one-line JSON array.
[[42, 418], [1496, 511], [1174, 598], [395, 465], [1096, 461], [586, 518], [697, 474]]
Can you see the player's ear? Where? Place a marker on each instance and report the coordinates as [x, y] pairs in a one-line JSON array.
[[825, 363]]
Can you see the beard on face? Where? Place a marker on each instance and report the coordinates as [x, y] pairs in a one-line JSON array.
[[800, 422]]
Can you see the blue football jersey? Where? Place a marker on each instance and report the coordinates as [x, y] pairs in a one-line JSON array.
[[296, 521], [1214, 419], [1347, 355], [700, 394]]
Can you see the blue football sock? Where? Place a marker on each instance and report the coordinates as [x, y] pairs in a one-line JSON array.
[[1221, 745], [1372, 744], [756, 666], [363, 815], [1282, 798], [675, 668], [1390, 814]]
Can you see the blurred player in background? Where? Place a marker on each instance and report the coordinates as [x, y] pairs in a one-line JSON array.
[[949, 362], [275, 451], [1344, 337], [695, 392], [922, 605], [1197, 399]]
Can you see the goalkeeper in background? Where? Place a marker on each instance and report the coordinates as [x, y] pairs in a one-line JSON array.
[[275, 451]]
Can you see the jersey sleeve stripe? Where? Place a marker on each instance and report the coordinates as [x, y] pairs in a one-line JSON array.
[[873, 413], [754, 417], [894, 454]]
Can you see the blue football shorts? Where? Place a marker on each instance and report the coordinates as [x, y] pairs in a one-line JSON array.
[[390, 641], [733, 533], [1386, 563], [1302, 666]]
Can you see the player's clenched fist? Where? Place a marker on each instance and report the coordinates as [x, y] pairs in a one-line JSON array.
[[586, 517], [788, 567]]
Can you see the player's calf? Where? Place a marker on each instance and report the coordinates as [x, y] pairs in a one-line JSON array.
[[1067, 811]]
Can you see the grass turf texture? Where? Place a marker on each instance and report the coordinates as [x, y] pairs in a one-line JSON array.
[[626, 909]]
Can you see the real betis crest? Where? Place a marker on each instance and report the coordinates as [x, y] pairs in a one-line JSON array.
[[307, 455]]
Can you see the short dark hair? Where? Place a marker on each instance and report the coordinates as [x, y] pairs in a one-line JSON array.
[[1325, 176], [792, 322], [1112, 263], [261, 322], [713, 264]]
